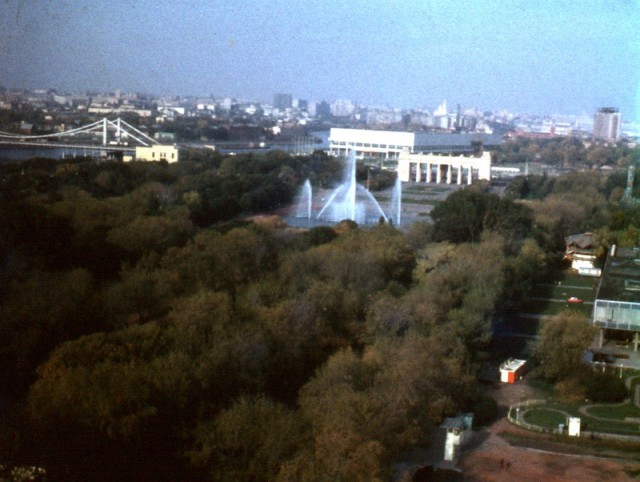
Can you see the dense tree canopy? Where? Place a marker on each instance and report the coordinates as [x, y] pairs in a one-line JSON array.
[[150, 333]]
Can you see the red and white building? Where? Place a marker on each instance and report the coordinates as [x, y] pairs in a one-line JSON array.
[[512, 370]]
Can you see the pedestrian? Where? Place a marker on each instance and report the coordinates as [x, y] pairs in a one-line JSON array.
[[508, 465], [502, 463]]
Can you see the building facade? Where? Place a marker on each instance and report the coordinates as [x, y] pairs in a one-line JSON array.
[[616, 310], [442, 168], [157, 153], [369, 144], [581, 250], [282, 101], [607, 124], [387, 145]]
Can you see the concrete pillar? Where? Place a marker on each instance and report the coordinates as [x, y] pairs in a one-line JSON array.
[[636, 340], [438, 174], [470, 177], [601, 338], [418, 171], [449, 173], [428, 172], [459, 174]]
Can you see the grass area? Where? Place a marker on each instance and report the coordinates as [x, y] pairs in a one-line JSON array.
[[548, 415], [562, 292], [574, 279], [431, 202], [545, 417], [425, 189], [615, 412], [550, 308], [556, 293]]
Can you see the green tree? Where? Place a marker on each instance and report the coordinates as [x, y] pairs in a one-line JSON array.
[[562, 343], [249, 441]]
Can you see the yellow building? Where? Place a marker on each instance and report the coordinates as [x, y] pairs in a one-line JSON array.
[[157, 153]]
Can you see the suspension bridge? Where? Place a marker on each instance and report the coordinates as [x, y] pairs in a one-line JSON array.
[[102, 135]]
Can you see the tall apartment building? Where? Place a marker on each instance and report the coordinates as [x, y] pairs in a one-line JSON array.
[[606, 124], [282, 101]]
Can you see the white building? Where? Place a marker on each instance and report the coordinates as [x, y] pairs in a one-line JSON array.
[[382, 145], [369, 143], [440, 168], [459, 433], [581, 250]]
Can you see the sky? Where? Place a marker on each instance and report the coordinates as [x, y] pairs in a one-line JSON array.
[[538, 57]]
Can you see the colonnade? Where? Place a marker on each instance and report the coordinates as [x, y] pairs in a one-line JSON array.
[[440, 176], [440, 169]]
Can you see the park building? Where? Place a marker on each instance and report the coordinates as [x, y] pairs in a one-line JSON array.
[[582, 251], [420, 156], [616, 311], [157, 152], [444, 168]]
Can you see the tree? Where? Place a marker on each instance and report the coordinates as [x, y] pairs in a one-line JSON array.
[[249, 441], [104, 405], [466, 213], [562, 343], [40, 311]]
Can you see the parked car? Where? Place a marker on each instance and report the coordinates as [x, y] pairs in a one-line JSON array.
[[573, 299]]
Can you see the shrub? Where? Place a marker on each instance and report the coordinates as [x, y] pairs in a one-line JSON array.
[[485, 411], [605, 387]]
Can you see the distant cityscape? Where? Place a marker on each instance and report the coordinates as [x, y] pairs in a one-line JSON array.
[[224, 119]]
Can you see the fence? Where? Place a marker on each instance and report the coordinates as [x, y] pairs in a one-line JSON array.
[[515, 418]]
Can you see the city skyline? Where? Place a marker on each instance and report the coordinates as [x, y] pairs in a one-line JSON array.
[[555, 57]]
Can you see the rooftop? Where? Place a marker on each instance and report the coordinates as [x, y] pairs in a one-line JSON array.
[[512, 364], [621, 276], [583, 241]]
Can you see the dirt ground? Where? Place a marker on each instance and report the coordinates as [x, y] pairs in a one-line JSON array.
[[491, 458]]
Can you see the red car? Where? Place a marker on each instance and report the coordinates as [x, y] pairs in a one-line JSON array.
[[573, 299]]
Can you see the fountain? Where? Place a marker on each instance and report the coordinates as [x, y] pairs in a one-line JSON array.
[[350, 200], [304, 201], [344, 202], [395, 205]]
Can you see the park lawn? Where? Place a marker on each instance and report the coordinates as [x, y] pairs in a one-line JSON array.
[[612, 426], [550, 308], [425, 189], [562, 292], [574, 279], [545, 417], [614, 412]]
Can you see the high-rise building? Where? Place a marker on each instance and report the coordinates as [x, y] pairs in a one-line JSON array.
[[303, 105], [606, 124], [282, 101]]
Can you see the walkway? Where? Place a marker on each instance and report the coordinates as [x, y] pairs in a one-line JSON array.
[[586, 288], [560, 300]]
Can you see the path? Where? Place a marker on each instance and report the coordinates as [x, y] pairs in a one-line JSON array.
[[584, 409], [586, 288], [487, 460], [559, 300]]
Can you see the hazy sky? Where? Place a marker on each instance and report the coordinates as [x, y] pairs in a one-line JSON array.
[[539, 57]]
